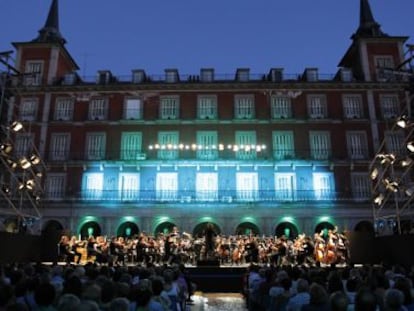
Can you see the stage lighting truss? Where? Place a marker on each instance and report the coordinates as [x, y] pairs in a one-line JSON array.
[[20, 173]]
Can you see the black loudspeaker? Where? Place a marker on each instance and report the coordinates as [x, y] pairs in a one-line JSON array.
[[208, 263]]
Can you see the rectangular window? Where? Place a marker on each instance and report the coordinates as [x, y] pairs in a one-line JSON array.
[[55, 186], [283, 145], [207, 107], [384, 64], [33, 73], [244, 107], [317, 106], [59, 146], [169, 107], [131, 145], [357, 144], [394, 141], [64, 109], [207, 75], [28, 109], [352, 106], [98, 109], [247, 186], [168, 142], [281, 107], [245, 145], [390, 106], [323, 186], [206, 187], [207, 148], [361, 186], [166, 186], [129, 186], [95, 146], [132, 109], [23, 144], [93, 186], [320, 145], [285, 186], [346, 75]]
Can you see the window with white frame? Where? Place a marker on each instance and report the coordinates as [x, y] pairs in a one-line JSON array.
[[394, 141], [346, 75], [59, 146], [33, 73], [166, 186], [323, 186], [320, 145], [247, 186], [64, 109], [206, 186], [390, 106], [95, 145], [357, 144], [129, 186], [207, 107], [28, 109], [207, 74], [281, 107], [384, 62], [244, 107], [169, 107], [23, 144], [285, 186], [361, 186], [133, 109], [207, 145], [93, 186], [246, 145], [131, 145], [317, 106], [55, 186], [98, 109], [283, 145], [168, 142], [352, 104]]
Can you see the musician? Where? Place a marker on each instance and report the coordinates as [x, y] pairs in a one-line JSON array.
[[210, 237], [74, 245], [64, 249]]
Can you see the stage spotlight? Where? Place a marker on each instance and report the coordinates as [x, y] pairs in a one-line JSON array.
[[410, 146], [16, 126], [409, 191], [34, 159], [6, 148], [403, 122], [391, 185], [12, 164], [379, 199], [24, 163], [374, 173], [30, 184], [406, 162]]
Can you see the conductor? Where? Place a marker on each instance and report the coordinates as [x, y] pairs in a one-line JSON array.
[[210, 240]]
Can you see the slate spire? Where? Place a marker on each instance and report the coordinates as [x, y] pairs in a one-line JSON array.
[[368, 27], [50, 32]]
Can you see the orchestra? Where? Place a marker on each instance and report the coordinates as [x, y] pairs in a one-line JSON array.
[[326, 247]]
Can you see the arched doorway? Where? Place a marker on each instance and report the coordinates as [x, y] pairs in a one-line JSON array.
[[247, 228], [199, 230], [127, 229], [52, 226], [324, 227], [164, 228], [287, 229], [364, 226], [90, 228]]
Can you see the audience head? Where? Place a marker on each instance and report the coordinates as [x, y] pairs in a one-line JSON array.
[[338, 301]]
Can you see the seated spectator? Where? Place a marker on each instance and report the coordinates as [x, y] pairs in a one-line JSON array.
[[393, 300], [365, 300], [68, 302], [318, 299], [338, 301], [404, 285], [302, 297]]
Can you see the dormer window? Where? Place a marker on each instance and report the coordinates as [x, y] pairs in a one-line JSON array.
[[207, 75], [243, 74], [104, 77], [384, 65], [311, 74], [276, 74], [69, 78], [171, 75], [346, 75], [138, 76]]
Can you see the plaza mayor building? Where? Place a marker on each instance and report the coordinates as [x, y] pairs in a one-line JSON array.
[[268, 154]]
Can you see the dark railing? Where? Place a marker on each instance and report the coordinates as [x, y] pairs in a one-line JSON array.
[[223, 196]]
